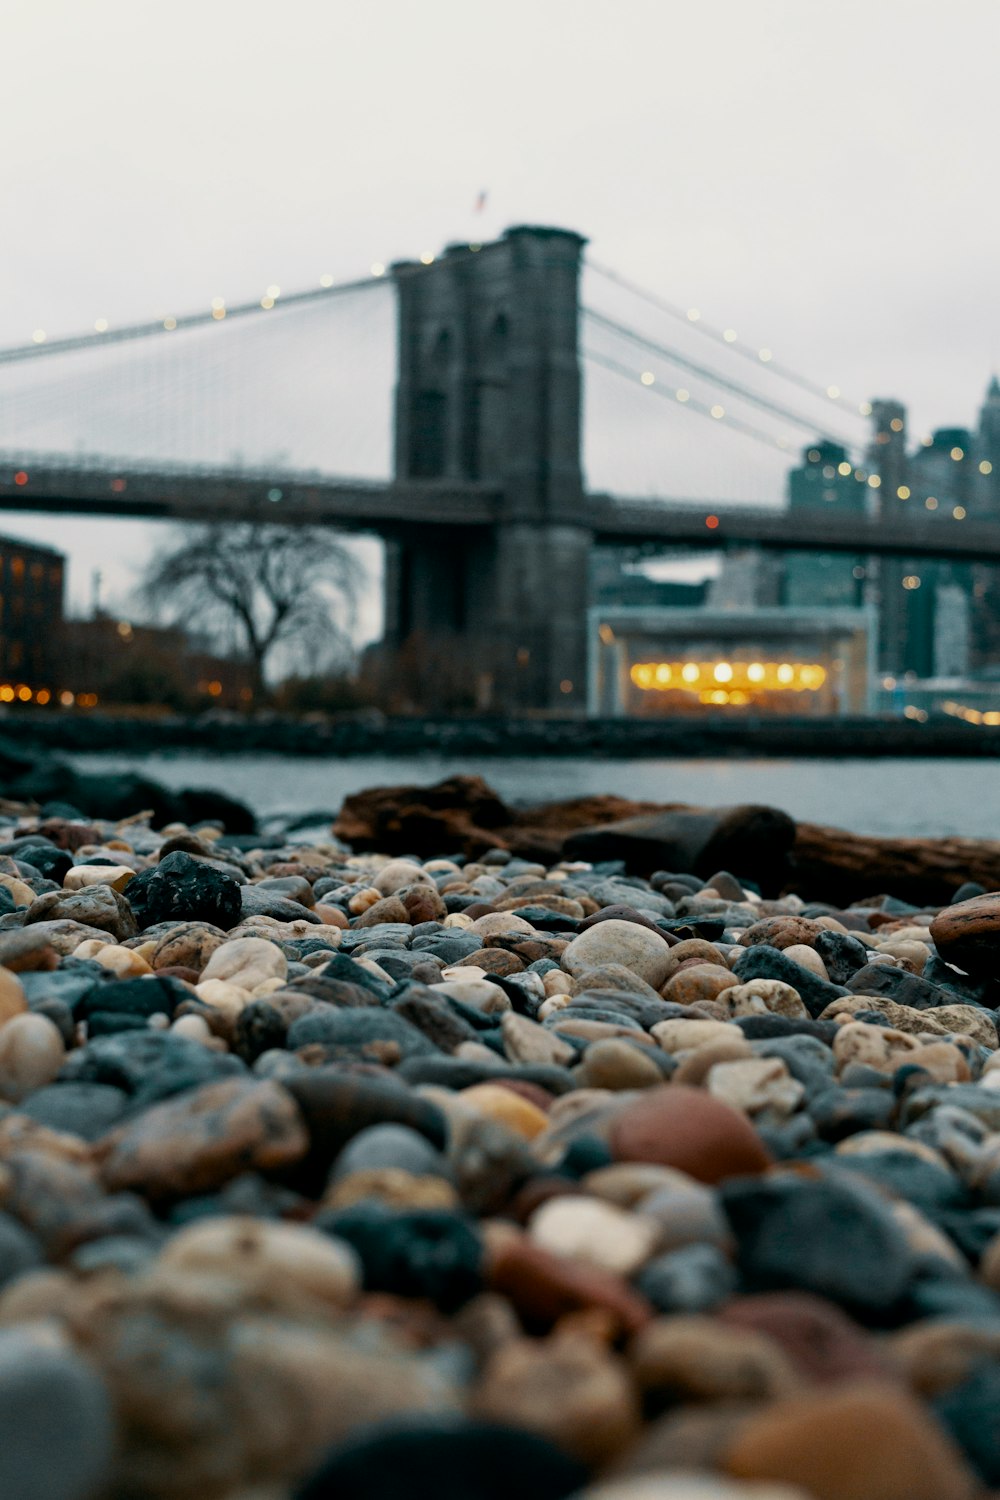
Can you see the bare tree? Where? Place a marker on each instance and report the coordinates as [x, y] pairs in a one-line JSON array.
[[269, 586]]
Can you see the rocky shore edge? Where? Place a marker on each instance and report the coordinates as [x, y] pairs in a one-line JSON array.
[[425, 1169], [369, 732]]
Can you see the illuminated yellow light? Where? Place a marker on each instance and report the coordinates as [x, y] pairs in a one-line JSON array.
[[986, 467], [723, 672], [874, 481], [38, 337], [888, 683], [24, 693], [786, 672], [903, 492], [663, 674], [267, 302], [326, 280], [690, 672], [378, 269], [6, 693], [274, 291], [170, 324], [911, 581], [43, 696], [896, 424], [957, 453], [101, 326], [218, 313], [427, 259], [833, 391], [992, 717], [730, 335], [959, 512], [124, 630], [647, 377], [66, 699], [718, 412], [683, 395], [735, 682], [216, 303], [764, 355], [693, 314], [844, 469], [755, 671], [865, 408], [606, 634], [931, 503]]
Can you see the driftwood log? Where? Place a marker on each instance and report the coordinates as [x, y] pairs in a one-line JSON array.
[[829, 864], [758, 843]]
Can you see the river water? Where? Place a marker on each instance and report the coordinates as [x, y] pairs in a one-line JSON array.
[[921, 797]]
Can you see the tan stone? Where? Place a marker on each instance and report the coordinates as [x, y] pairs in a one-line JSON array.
[[699, 982], [127, 963], [246, 963], [31, 1054], [643, 952], [683, 1036], [12, 1001], [506, 1108], [808, 958], [756, 1083], [569, 1389], [698, 1359], [863, 1441], [259, 1252], [694, 1067], [615, 1063], [943, 1020], [595, 1232], [525, 1041], [116, 876], [873, 1046]]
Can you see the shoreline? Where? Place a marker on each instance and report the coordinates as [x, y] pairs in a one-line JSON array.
[[632, 739]]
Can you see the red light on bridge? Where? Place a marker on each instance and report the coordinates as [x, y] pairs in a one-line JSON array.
[[117, 485], [20, 477], [711, 522]]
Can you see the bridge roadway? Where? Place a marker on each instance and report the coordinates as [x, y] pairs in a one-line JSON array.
[[103, 487]]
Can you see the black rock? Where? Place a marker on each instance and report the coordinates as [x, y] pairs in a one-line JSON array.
[[898, 985], [764, 962], [19, 1250], [428, 1253], [806, 1058], [149, 1065], [184, 889], [461, 1073], [587, 1153], [84, 1109], [971, 1413], [967, 891], [257, 903], [842, 954], [390, 1145], [760, 1028], [445, 1458], [834, 1238], [840, 1112], [434, 1017], [972, 1229], [50, 862], [694, 1279], [333, 1026], [339, 966], [139, 998]]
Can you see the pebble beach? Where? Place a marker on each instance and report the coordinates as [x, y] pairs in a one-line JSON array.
[[403, 1175]]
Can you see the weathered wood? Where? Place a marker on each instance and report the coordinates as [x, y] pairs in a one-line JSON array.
[[830, 864]]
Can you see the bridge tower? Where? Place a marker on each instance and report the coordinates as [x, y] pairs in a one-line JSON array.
[[489, 392]]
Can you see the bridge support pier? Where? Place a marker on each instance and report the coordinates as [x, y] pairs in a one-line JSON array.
[[489, 393], [492, 620]]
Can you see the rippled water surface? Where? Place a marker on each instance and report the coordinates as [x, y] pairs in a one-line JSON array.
[[930, 797]]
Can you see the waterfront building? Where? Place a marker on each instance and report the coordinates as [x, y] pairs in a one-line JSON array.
[[32, 586]]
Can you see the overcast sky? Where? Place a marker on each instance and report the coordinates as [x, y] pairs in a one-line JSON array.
[[818, 174]]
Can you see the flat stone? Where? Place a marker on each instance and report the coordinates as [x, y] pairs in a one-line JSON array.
[[596, 1233], [31, 1054], [98, 907], [258, 1253], [692, 1358], [201, 1140], [968, 934]]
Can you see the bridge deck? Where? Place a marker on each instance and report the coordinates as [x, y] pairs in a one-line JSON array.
[[106, 488]]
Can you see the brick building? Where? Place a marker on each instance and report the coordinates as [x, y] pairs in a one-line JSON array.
[[32, 582]]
